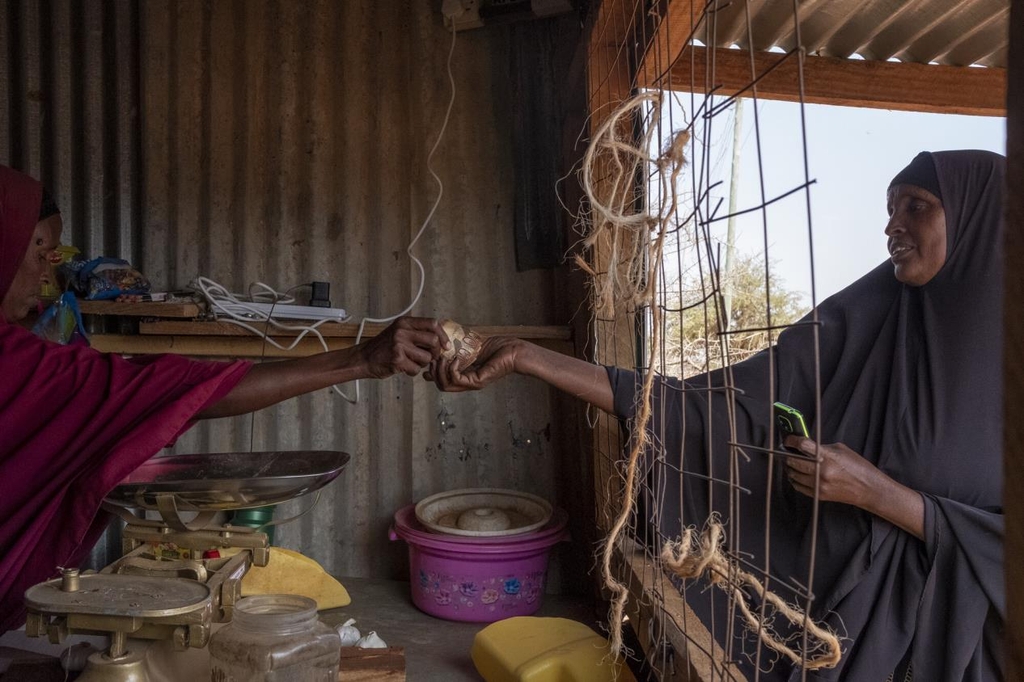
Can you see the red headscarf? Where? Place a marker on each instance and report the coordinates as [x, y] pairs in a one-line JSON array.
[[73, 423]]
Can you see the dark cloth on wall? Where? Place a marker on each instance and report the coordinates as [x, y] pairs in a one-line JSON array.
[[73, 423], [48, 206], [910, 378]]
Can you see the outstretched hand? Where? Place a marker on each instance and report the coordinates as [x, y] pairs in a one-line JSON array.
[[496, 359], [408, 345]]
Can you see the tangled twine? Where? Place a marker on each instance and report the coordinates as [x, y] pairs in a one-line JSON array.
[[695, 554], [637, 256], [614, 161]]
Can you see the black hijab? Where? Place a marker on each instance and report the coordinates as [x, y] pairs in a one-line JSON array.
[[911, 378]]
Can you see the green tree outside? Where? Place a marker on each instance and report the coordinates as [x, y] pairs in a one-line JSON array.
[[693, 343]]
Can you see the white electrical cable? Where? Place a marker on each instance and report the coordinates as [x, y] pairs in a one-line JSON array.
[[430, 214], [233, 308]]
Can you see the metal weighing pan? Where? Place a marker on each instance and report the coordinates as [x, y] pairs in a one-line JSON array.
[[230, 480]]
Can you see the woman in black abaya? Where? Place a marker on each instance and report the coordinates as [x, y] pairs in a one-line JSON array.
[[909, 460]]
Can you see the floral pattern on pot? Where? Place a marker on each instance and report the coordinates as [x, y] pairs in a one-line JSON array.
[[500, 593]]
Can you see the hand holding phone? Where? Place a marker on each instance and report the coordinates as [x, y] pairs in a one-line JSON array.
[[789, 421]]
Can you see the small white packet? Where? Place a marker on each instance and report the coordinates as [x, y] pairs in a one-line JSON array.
[[371, 641], [350, 635]]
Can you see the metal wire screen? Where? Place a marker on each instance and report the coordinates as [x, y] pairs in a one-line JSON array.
[[674, 297]]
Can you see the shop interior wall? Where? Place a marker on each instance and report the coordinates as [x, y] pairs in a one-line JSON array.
[[287, 142]]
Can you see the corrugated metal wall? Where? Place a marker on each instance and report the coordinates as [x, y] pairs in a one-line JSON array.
[[69, 113], [286, 142], [69, 116]]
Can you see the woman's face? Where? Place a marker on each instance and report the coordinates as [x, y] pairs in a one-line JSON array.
[[917, 234], [23, 296]]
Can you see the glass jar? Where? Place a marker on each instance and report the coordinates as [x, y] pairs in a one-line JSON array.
[[272, 638]]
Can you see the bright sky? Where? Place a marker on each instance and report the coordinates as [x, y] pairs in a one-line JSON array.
[[853, 154]]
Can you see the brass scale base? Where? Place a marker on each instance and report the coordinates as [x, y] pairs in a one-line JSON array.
[[142, 596]]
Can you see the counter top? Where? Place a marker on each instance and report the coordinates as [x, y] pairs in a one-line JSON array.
[[435, 650]]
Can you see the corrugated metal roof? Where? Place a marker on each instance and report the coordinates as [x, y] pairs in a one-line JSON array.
[[952, 32]]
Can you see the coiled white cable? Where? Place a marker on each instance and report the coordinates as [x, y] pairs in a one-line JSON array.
[[226, 305], [430, 214]]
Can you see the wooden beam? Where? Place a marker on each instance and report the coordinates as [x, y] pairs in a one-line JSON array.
[[208, 346], [672, 35], [611, 78], [610, 57], [141, 309], [844, 82], [216, 346], [610, 81], [346, 330], [1013, 372], [653, 598]]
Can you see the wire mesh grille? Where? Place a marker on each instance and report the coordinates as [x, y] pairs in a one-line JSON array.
[[689, 314]]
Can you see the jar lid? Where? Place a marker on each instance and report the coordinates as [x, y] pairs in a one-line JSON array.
[[483, 512]]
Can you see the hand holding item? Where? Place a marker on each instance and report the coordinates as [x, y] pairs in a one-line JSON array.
[[495, 358], [408, 345], [499, 356], [848, 478], [844, 475]]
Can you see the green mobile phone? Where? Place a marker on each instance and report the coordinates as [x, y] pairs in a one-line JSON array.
[[789, 421]]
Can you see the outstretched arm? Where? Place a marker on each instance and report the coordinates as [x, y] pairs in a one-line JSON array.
[[844, 475], [407, 346], [503, 355]]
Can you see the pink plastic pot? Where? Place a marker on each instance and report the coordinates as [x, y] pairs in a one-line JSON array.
[[477, 579]]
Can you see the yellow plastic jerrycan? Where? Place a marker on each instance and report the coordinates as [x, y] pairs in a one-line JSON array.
[[529, 649]]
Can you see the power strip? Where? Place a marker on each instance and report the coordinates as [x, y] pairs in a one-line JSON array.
[[280, 310]]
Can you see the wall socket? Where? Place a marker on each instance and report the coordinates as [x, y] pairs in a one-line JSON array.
[[466, 14], [460, 15]]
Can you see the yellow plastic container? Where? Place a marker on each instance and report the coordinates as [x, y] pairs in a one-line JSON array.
[[51, 289], [529, 649]]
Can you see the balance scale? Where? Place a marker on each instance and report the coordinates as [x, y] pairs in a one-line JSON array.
[[146, 596]]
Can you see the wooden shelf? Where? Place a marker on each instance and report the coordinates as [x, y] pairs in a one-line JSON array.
[[221, 340], [185, 310], [338, 330], [207, 346], [173, 329]]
